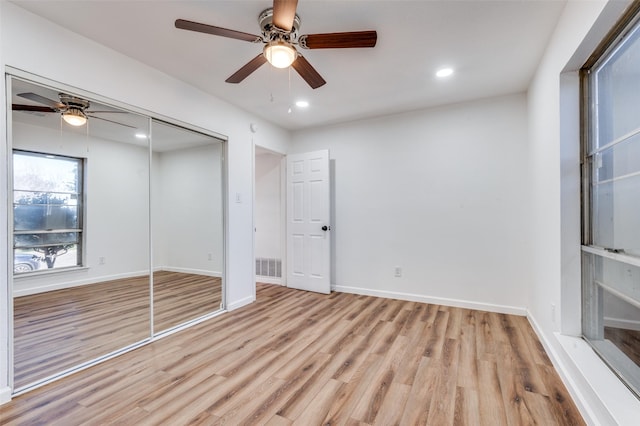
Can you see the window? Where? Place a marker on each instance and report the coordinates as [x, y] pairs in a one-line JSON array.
[[47, 211], [611, 204]]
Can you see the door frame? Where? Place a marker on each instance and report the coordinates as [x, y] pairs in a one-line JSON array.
[[283, 212]]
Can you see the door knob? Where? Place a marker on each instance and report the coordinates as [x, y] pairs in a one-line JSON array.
[[326, 228]]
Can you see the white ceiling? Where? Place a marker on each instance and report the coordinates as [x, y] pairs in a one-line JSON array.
[[494, 47]]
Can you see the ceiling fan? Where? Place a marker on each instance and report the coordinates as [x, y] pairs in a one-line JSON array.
[[279, 35], [74, 110]]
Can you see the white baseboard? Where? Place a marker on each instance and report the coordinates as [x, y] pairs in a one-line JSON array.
[[77, 283], [502, 309], [240, 303], [622, 323], [598, 393], [191, 271], [5, 395], [268, 280], [43, 288]]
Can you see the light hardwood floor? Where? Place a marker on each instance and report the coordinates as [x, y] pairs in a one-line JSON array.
[[57, 330], [303, 358]]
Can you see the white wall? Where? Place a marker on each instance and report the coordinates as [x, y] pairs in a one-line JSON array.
[[268, 207], [553, 156], [189, 210], [440, 193], [37, 46]]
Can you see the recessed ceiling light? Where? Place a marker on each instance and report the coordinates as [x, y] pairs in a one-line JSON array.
[[302, 104], [141, 136], [444, 72]]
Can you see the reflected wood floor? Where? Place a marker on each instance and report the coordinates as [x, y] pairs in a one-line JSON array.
[[628, 341], [303, 358], [60, 329]]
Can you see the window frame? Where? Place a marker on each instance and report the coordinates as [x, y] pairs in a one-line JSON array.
[[593, 256], [81, 197]]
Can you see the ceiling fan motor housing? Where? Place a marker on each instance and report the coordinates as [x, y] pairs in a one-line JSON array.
[[272, 33], [73, 102]]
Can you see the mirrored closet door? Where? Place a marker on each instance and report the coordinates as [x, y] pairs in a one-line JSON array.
[[94, 210], [187, 219]]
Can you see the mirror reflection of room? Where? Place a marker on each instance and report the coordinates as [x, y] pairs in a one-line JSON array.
[[187, 220], [83, 219]]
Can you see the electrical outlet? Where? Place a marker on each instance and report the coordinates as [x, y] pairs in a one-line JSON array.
[[397, 272], [210, 256], [553, 313], [101, 261]]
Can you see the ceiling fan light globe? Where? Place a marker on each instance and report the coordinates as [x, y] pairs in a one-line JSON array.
[[280, 54], [74, 117]]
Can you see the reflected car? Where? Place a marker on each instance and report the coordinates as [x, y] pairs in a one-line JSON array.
[[26, 263]]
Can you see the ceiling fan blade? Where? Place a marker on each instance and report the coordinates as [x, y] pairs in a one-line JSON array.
[[35, 108], [308, 73], [210, 29], [42, 100], [339, 40], [111, 121], [250, 67], [284, 12]]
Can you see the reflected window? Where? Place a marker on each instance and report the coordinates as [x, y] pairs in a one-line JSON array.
[[47, 211]]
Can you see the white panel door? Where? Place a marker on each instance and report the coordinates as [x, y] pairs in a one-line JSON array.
[[308, 228]]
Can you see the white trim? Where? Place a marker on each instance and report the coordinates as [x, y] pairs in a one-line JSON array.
[[467, 304], [268, 280], [240, 303], [622, 323], [69, 284], [584, 373], [5, 395], [190, 271], [77, 283], [253, 219]]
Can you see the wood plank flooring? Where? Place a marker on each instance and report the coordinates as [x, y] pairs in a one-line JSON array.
[[60, 329], [309, 359]]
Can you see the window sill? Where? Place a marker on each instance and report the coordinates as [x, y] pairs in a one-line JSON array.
[[617, 400], [46, 272]]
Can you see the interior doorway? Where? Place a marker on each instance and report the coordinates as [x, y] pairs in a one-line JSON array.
[[269, 213]]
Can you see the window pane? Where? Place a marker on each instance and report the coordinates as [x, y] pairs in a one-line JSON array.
[[31, 259], [47, 211], [617, 92], [616, 204], [619, 160], [33, 172], [45, 239], [43, 217]]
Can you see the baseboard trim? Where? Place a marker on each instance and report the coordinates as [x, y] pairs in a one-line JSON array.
[[502, 309], [97, 280], [584, 373], [5, 395], [622, 323], [240, 303], [192, 271], [268, 280], [69, 284]]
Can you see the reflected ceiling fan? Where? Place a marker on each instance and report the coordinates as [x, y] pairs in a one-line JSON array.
[[279, 35], [74, 110]]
